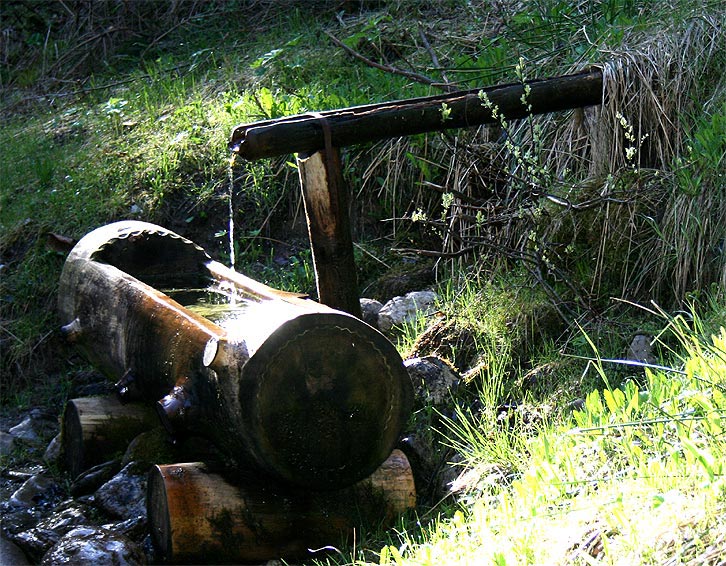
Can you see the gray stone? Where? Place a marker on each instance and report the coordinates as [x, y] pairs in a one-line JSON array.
[[7, 443], [11, 555], [428, 460], [18, 519], [369, 310], [94, 545], [52, 452], [124, 495], [38, 490], [67, 516], [134, 528], [641, 349], [401, 310], [26, 430], [36, 542], [93, 478], [433, 380]]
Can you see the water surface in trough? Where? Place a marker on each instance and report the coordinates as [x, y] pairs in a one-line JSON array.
[[244, 317]]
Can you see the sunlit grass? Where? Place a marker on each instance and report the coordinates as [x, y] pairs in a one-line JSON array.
[[634, 477]]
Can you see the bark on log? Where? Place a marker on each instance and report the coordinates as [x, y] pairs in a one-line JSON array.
[[326, 208], [197, 515], [94, 429], [362, 124], [309, 394]]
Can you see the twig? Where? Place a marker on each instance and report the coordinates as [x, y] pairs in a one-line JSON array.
[[365, 251], [432, 53], [163, 35], [434, 253], [388, 68]]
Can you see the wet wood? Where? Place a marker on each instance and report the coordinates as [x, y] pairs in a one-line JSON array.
[[326, 208], [199, 515], [309, 394], [363, 124], [97, 429]]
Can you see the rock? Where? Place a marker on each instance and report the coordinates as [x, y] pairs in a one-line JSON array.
[[68, 515], [369, 310], [541, 377], [88, 383], [451, 477], [26, 430], [134, 528], [11, 555], [94, 545], [401, 310], [576, 405], [124, 495], [38, 490], [16, 520], [52, 452], [453, 340], [37, 541], [93, 478], [433, 380], [151, 447], [7, 443], [428, 463], [641, 349], [405, 277]]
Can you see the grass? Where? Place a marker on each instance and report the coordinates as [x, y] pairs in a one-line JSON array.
[[635, 476]]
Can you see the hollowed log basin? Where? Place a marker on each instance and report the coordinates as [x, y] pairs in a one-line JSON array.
[[311, 395]]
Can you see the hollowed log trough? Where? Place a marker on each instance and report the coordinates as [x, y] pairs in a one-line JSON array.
[[306, 394]]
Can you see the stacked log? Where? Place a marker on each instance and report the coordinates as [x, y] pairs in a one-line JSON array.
[[197, 512], [94, 429], [304, 403], [309, 395]]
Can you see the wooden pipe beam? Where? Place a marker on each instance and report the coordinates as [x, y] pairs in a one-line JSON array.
[[305, 133]]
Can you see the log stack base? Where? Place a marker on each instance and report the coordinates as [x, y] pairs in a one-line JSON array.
[[201, 513], [97, 429], [198, 515]]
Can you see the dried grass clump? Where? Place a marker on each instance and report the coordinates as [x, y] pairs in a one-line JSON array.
[[661, 85], [602, 199]]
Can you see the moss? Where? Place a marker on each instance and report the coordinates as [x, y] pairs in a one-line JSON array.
[[150, 448]]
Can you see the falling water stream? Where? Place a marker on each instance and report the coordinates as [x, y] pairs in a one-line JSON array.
[[230, 230]]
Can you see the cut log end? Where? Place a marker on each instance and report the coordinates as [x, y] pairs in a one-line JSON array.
[[94, 429], [322, 421]]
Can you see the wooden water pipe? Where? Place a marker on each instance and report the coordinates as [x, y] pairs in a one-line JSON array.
[[306, 133]]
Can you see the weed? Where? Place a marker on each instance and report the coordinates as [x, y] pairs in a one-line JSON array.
[[632, 450]]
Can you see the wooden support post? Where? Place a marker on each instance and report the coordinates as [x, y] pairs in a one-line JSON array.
[[199, 515], [326, 208]]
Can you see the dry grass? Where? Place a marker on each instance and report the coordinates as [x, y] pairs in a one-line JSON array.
[[594, 198]]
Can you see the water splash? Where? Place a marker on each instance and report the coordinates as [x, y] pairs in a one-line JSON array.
[[230, 230]]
